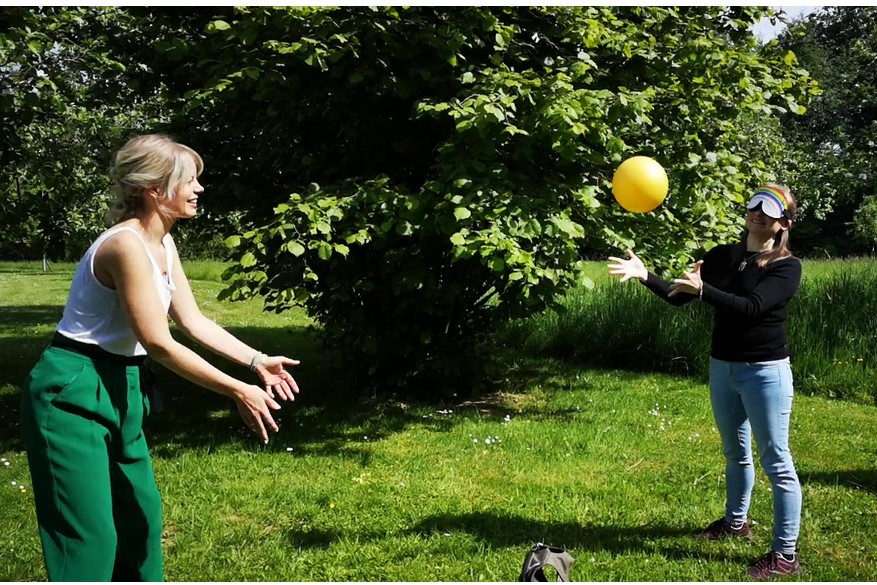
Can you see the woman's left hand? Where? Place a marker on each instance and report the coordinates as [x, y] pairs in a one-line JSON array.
[[276, 379], [690, 283]]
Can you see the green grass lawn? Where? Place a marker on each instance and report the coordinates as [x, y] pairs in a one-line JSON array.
[[620, 467]]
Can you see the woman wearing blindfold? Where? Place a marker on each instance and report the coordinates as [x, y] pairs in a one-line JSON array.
[[749, 284]]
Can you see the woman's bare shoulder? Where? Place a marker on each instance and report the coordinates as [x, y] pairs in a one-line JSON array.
[[120, 244]]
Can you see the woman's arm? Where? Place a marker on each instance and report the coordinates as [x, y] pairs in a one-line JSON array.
[[633, 267], [124, 260], [206, 332], [778, 285]]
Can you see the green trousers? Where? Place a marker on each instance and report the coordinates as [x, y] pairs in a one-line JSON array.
[[97, 505]]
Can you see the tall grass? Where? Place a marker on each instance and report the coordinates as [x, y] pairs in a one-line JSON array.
[[832, 329]]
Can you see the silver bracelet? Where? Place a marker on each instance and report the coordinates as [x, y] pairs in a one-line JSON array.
[[700, 293], [257, 359]]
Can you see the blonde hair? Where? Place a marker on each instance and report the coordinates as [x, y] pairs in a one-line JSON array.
[[150, 161], [780, 248]]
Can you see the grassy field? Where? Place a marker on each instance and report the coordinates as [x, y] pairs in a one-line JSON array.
[[618, 464]]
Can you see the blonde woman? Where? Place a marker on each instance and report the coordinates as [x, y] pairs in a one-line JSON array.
[[749, 285], [97, 504]]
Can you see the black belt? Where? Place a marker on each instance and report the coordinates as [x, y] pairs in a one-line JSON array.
[[94, 352], [148, 381]]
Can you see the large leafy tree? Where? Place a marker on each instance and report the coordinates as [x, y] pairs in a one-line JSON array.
[[415, 176], [833, 145]]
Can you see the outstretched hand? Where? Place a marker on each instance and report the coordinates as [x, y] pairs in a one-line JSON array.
[[255, 407], [633, 267], [691, 282], [276, 380]]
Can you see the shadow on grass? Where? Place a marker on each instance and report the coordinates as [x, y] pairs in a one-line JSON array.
[[518, 532], [559, 375], [308, 538], [324, 423], [856, 479], [19, 351], [512, 531], [506, 531], [324, 419], [29, 315]]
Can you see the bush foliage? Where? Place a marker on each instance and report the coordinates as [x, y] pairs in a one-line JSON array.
[[449, 167]]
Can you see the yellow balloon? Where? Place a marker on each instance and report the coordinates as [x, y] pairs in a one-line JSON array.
[[640, 184]]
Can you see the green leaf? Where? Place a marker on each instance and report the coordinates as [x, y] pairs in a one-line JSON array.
[[458, 239], [233, 241], [568, 227], [248, 260], [324, 250], [295, 248], [462, 213], [218, 25]]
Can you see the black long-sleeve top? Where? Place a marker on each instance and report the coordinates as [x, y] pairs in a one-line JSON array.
[[751, 305]]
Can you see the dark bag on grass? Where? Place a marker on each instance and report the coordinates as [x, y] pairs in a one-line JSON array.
[[541, 556]]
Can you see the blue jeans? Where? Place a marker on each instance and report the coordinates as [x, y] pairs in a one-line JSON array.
[[756, 399]]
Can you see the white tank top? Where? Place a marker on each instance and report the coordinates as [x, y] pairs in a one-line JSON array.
[[93, 313]]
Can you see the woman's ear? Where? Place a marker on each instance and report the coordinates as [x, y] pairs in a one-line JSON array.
[[153, 193]]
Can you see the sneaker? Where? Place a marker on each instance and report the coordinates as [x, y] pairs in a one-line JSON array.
[[773, 564], [721, 528]]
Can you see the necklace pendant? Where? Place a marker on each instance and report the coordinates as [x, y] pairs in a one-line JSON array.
[[742, 266]]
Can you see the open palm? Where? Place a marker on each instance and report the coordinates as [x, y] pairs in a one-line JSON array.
[[632, 267], [276, 380]]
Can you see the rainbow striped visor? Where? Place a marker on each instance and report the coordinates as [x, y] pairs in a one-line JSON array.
[[772, 201]]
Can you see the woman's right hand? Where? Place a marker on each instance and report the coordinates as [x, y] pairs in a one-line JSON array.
[[633, 267], [255, 406]]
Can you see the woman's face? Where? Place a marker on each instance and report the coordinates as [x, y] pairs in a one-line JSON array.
[[759, 223], [185, 201]]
